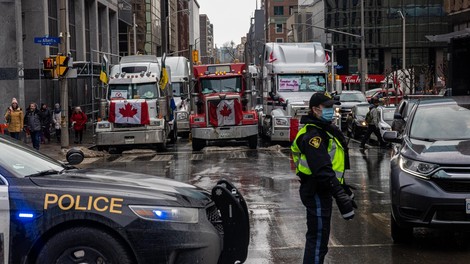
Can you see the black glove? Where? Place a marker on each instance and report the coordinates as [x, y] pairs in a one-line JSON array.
[[344, 202], [349, 192]]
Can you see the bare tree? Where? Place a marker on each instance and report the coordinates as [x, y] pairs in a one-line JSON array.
[[229, 48]]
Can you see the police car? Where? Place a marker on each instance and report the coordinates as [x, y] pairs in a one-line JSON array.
[[53, 212]]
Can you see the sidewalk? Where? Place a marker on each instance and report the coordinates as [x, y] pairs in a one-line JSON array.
[[54, 149]]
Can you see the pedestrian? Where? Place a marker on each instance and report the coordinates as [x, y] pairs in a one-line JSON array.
[[372, 119], [57, 121], [46, 123], [32, 124], [320, 155], [78, 121], [14, 117]]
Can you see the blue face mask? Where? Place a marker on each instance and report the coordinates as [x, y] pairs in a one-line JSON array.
[[327, 114]]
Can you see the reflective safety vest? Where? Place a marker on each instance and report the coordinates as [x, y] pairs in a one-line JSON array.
[[335, 150]]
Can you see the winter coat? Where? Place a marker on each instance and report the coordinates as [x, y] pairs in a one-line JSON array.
[[57, 119], [46, 117], [32, 120], [79, 119], [15, 119]]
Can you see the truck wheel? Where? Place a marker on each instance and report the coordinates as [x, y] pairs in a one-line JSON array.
[[83, 245], [198, 144], [253, 142], [400, 235]]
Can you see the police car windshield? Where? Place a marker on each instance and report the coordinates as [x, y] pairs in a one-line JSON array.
[[22, 162]]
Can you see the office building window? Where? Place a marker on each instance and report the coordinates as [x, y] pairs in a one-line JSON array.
[[278, 10]]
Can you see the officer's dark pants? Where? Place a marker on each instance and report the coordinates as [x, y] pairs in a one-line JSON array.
[[318, 221], [372, 129]]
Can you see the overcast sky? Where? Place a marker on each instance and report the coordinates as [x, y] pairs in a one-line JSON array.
[[231, 18]]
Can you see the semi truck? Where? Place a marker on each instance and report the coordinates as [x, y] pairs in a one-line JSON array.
[[221, 106], [135, 112], [291, 73], [180, 76]]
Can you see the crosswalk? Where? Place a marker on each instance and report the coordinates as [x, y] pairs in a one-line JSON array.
[[168, 156]]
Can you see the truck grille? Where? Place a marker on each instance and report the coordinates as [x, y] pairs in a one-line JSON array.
[[213, 215], [214, 112], [127, 126]]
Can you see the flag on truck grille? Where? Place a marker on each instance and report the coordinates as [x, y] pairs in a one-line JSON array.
[[225, 113], [124, 112]]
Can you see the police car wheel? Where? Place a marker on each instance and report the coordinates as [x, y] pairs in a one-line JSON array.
[[83, 245]]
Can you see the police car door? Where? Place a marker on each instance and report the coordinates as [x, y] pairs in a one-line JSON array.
[[4, 221]]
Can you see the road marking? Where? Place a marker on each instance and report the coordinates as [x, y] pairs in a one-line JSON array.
[[162, 158], [89, 160], [237, 155], [363, 245], [196, 157], [126, 158]]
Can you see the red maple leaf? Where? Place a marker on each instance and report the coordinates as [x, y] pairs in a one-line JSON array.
[[225, 111], [128, 111]]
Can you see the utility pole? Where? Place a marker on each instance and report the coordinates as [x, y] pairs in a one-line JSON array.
[[19, 52], [134, 29], [64, 93], [363, 51]]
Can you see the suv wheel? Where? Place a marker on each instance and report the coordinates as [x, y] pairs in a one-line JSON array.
[[400, 235]]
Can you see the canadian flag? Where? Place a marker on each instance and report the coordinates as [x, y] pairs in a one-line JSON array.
[[327, 58], [226, 113], [125, 112]]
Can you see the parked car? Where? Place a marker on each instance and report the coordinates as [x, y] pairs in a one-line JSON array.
[[389, 97], [385, 116], [430, 174], [371, 92], [356, 120], [348, 99], [401, 114], [56, 213]]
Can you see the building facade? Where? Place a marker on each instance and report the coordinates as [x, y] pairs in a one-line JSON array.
[[206, 30], [276, 14]]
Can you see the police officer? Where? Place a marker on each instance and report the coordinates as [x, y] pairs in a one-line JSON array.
[[319, 155]]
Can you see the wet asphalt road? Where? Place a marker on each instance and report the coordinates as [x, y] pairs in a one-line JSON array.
[[267, 180]]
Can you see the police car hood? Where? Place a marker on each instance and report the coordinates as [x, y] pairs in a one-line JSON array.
[[142, 188], [443, 152]]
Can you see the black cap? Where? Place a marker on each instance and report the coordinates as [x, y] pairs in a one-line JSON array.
[[323, 98]]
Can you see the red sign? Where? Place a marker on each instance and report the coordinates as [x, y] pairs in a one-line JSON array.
[[371, 78]]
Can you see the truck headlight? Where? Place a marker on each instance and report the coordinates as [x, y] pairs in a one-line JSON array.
[[337, 112], [282, 122], [104, 125], [154, 123], [417, 168], [181, 116], [248, 116], [166, 214]]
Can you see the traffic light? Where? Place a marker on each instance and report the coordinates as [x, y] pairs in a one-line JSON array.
[[48, 68], [195, 56], [61, 65]]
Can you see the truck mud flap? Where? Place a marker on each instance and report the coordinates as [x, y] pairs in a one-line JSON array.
[[235, 220]]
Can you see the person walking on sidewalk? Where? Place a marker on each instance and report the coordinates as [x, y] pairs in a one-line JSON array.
[[57, 121], [32, 123], [14, 117], [78, 121], [46, 122], [372, 119]]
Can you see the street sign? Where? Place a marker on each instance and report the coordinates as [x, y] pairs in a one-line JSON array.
[[338, 67], [47, 41]]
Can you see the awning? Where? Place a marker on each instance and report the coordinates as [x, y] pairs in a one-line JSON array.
[[447, 37]]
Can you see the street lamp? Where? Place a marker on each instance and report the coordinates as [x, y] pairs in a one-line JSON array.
[[404, 40], [167, 27]]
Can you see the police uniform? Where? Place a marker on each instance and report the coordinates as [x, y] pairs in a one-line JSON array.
[[319, 155]]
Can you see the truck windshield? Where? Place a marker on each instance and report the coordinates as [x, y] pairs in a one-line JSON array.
[[301, 83], [132, 91], [178, 89], [233, 84]]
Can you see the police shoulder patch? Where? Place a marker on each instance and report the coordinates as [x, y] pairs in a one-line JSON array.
[[315, 142]]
